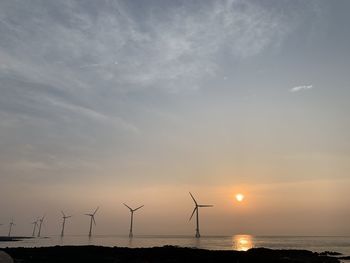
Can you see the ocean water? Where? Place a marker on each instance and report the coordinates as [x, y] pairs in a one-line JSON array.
[[236, 242]]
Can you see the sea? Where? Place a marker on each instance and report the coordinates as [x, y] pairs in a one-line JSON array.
[[339, 244]]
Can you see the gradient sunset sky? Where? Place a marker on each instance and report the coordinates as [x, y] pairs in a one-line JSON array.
[[105, 102]]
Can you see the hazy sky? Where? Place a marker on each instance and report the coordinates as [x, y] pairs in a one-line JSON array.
[[105, 102]]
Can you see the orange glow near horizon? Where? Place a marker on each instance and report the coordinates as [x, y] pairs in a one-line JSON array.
[[242, 242]]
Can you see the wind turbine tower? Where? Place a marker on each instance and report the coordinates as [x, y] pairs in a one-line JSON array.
[[35, 223], [10, 227], [41, 220], [64, 222], [132, 217], [92, 219], [196, 209]]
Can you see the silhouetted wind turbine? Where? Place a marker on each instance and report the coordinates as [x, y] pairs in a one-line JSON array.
[[132, 217], [35, 223], [10, 227], [41, 220], [196, 209], [64, 222], [92, 218]]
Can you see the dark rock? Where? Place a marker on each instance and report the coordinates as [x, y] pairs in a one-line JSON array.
[[167, 254], [344, 258]]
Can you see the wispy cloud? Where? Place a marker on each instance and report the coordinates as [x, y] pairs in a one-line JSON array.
[[175, 45], [78, 73], [300, 88]]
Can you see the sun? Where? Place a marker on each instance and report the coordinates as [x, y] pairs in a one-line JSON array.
[[239, 197]]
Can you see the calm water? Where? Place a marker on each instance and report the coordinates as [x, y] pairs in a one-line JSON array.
[[237, 242]]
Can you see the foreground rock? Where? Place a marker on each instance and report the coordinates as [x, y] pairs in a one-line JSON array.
[[4, 258], [172, 254]]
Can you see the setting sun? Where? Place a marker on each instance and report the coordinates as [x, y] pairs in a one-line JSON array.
[[239, 197]]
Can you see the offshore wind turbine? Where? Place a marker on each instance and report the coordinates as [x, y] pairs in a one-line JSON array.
[[41, 220], [35, 223], [196, 209], [132, 217], [64, 222], [92, 219], [10, 227]]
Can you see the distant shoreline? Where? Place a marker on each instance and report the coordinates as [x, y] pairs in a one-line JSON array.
[[78, 254], [11, 239]]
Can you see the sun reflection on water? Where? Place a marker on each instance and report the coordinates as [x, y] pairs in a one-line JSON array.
[[242, 242]]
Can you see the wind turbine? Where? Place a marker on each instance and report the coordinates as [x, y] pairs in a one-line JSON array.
[[10, 229], [41, 220], [64, 222], [35, 223], [196, 209], [132, 217], [92, 218]]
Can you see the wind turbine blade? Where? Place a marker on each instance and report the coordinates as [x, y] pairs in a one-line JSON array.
[[96, 210], [205, 205], [194, 200], [139, 207], [68, 216], [63, 214], [194, 210], [127, 206], [93, 219], [87, 214]]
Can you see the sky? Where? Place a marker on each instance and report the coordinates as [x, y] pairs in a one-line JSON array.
[[105, 102]]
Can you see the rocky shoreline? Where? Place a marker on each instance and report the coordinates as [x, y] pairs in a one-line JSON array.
[[169, 254]]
